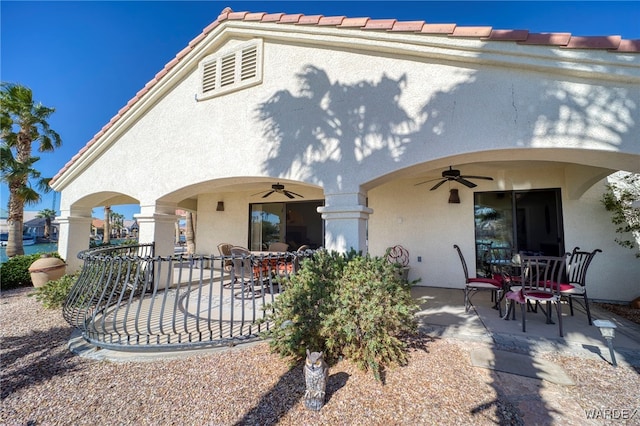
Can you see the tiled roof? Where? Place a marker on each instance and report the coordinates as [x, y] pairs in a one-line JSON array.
[[613, 43]]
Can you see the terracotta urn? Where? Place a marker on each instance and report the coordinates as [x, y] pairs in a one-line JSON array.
[[45, 269]]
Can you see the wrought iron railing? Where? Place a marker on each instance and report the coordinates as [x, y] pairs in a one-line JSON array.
[[126, 298]]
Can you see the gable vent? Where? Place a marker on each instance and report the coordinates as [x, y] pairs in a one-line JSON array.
[[231, 70], [249, 63], [209, 74]]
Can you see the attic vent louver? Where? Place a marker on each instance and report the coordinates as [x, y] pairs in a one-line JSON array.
[[231, 69]]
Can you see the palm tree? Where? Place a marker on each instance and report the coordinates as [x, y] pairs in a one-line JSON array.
[[190, 232], [106, 234], [117, 223], [22, 122], [48, 215]]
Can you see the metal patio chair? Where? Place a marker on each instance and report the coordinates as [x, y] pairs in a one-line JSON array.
[[479, 283], [577, 266]]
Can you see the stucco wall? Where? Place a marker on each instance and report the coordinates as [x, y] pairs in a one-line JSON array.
[[367, 114]]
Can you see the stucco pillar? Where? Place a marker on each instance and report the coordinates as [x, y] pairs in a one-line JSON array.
[[345, 217], [73, 238], [157, 225]]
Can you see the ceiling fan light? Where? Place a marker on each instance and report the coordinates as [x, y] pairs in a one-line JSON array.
[[454, 197]]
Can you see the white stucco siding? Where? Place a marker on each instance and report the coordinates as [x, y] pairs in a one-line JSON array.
[[229, 226], [614, 273], [366, 113]]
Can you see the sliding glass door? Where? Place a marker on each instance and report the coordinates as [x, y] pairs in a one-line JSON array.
[[525, 221], [297, 223]]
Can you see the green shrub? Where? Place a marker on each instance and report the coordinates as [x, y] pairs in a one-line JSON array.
[[372, 309], [15, 271], [298, 311], [345, 305], [53, 294]]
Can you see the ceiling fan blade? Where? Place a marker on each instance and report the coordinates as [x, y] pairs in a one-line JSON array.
[[288, 194], [267, 194], [293, 193], [477, 177], [427, 181], [465, 182], [437, 185]]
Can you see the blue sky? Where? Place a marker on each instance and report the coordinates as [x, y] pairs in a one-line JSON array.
[[87, 59]]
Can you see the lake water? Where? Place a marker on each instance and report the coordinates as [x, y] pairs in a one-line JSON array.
[[36, 248]]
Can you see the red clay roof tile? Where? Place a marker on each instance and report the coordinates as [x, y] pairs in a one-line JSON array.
[[508, 35], [379, 24], [629, 46], [254, 16], [548, 39], [290, 19], [471, 32], [331, 20], [309, 20], [272, 17], [237, 16], [607, 42], [438, 28], [354, 22], [408, 26]]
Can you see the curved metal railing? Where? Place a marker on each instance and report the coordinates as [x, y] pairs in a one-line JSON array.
[[126, 298]]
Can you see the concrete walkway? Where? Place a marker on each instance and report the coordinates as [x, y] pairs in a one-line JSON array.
[[442, 314]]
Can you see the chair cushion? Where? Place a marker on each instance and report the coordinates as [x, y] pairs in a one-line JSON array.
[[493, 282], [540, 295], [516, 296], [563, 287]]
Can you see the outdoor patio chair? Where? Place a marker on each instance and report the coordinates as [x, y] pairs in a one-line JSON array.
[[577, 266], [541, 282], [225, 251], [479, 283], [278, 247], [502, 264], [248, 271]]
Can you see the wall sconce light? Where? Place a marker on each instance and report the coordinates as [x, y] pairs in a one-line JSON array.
[[608, 331], [454, 198], [220, 206]]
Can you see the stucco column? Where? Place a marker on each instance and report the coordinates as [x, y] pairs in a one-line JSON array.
[[157, 225], [73, 238], [345, 217]]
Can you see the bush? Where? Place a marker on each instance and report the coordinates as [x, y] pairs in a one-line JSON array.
[[15, 271], [298, 311], [53, 294], [372, 309], [345, 305]]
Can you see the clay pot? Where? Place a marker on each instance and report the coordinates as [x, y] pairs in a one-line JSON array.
[[46, 269]]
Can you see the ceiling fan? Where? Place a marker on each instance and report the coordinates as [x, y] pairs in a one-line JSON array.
[[454, 175], [279, 188]]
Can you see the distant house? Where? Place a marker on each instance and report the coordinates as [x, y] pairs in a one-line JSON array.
[[36, 227], [344, 132]]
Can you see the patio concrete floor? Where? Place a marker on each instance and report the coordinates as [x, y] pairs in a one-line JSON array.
[[442, 314]]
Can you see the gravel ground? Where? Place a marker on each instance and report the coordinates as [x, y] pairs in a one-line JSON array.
[[43, 383]]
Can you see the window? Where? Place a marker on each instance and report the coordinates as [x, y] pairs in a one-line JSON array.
[[525, 221], [226, 71], [296, 224]]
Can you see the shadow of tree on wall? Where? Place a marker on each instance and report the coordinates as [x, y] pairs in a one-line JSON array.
[[332, 124], [326, 125]]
